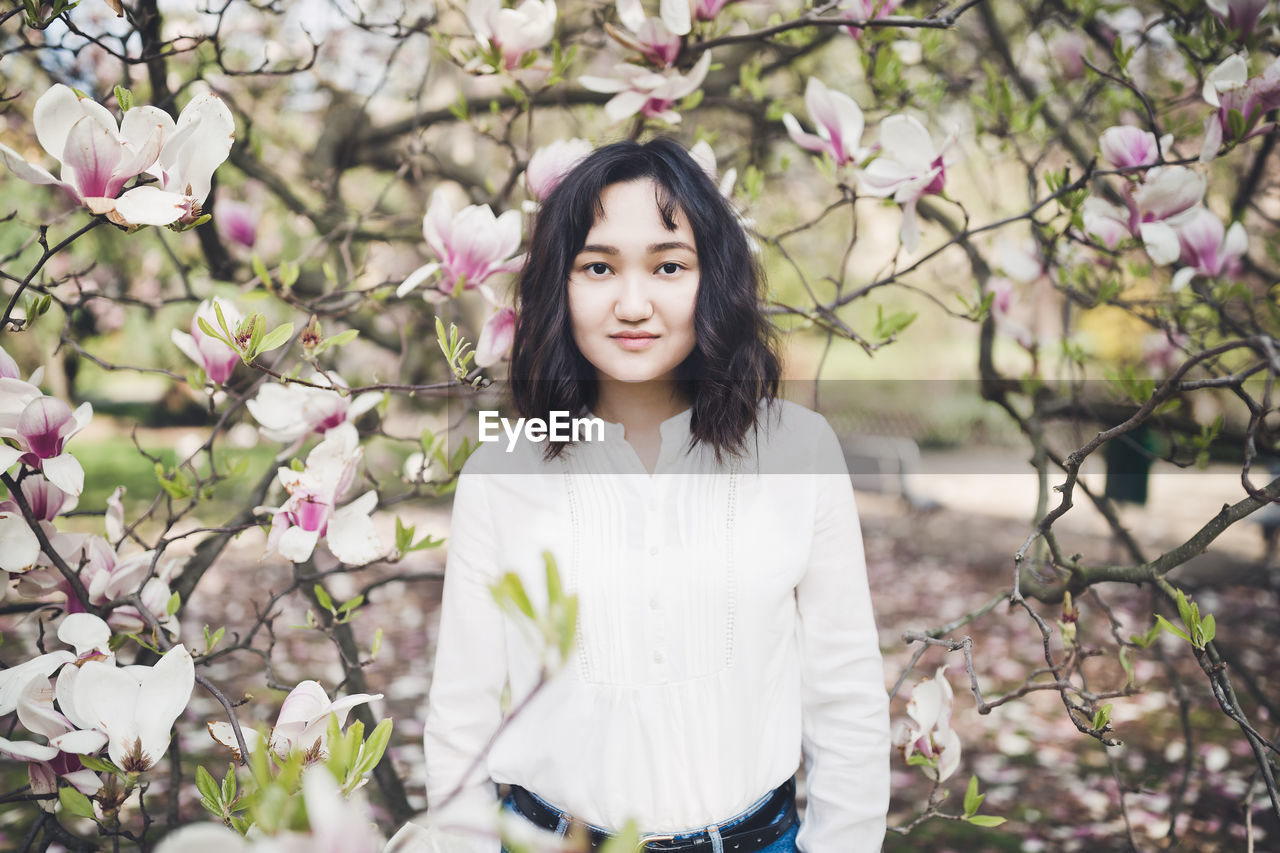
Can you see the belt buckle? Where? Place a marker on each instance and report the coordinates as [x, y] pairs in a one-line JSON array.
[[646, 840]]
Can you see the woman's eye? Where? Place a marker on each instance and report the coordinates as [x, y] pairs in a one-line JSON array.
[[598, 268], [670, 268]]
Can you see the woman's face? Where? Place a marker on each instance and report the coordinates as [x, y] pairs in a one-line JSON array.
[[634, 287]]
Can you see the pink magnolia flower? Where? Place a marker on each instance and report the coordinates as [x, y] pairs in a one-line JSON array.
[[909, 166], [1068, 49], [657, 39], [311, 510], [839, 121], [193, 147], [675, 15], [929, 732], [26, 688], [304, 718], [1228, 88], [216, 358], [1127, 147], [512, 32], [1159, 204], [237, 222], [867, 10], [706, 10], [472, 245], [302, 724], [290, 412], [1105, 222], [1240, 15], [650, 93], [496, 337], [1208, 249], [98, 155], [41, 427], [552, 162], [46, 500]]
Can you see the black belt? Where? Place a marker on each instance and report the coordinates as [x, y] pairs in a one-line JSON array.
[[755, 831]]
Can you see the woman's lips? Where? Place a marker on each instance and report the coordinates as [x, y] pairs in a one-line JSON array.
[[634, 342]]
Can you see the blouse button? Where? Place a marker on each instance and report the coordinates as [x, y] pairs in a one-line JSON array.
[[653, 550], [653, 604], [659, 657]]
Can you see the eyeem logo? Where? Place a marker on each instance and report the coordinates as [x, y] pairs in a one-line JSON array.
[[561, 427]]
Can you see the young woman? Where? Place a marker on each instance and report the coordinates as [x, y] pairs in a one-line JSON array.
[[725, 630]]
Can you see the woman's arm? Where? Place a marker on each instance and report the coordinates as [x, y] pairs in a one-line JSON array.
[[464, 706], [845, 706]]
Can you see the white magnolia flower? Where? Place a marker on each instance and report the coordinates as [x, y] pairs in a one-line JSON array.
[[134, 706], [311, 511], [194, 146], [512, 32], [929, 731], [909, 166], [839, 122], [650, 93], [290, 412]]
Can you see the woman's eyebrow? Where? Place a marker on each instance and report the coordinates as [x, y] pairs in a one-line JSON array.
[[653, 248]]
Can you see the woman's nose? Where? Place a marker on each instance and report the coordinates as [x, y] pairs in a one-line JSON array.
[[633, 299]]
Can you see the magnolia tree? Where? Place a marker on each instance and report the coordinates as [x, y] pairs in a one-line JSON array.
[[221, 200]]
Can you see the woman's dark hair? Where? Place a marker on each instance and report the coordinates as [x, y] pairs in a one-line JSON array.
[[734, 364]]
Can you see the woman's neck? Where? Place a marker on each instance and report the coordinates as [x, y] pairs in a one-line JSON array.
[[639, 406]]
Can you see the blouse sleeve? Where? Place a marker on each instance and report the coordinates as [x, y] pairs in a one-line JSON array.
[[845, 730], [464, 707]]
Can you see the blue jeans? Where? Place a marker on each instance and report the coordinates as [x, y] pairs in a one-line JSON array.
[[785, 844]]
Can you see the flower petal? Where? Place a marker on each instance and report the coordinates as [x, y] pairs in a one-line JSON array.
[[65, 472], [151, 205]]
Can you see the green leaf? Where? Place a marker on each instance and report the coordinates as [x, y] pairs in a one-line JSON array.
[[1126, 661], [1171, 628], [348, 606], [211, 640], [374, 747], [207, 786], [404, 536], [260, 270], [288, 274], [75, 802], [1102, 717], [1236, 124], [124, 98], [509, 592], [322, 596], [100, 765], [986, 820], [972, 799], [1145, 640], [229, 785], [1208, 628], [275, 338], [554, 590], [214, 333], [172, 605]]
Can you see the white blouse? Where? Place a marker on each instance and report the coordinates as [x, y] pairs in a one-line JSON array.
[[725, 631]]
